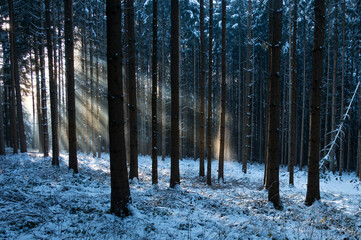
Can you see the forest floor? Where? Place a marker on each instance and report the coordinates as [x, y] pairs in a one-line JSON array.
[[38, 201]]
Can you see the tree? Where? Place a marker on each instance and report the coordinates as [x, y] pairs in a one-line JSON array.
[[334, 91], [313, 179], [53, 86], [120, 193], [342, 145], [174, 76], [303, 93], [133, 122], [69, 57], [2, 140], [38, 101], [359, 137], [210, 72], [202, 90], [292, 110], [325, 139], [154, 93], [44, 108], [223, 96], [247, 122], [274, 102], [91, 65], [16, 84]]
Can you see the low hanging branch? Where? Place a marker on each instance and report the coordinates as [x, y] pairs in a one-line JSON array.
[[327, 157]]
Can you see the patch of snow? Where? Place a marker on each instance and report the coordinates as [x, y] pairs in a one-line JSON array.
[[38, 201]]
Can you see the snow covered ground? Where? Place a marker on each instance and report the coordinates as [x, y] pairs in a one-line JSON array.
[[38, 201]]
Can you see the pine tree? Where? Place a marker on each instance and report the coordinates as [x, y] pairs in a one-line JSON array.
[[223, 96], [292, 110], [120, 193], [53, 86], [132, 83], [210, 77], [274, 104], [174, 174], [313, 180], [154, 93], [69, 57], [247, 122], [334, 90], [16, 93], [2, 140], [202, 90]]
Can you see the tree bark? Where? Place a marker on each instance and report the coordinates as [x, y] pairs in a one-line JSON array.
[[91, 66], [154, 94], [313, 180], [325, 140], [303, 94], [38, 101], [133, 122], [223, 96], [98, 132], [358, 164], [202, 91], [163, 87], [69, 57], [2, 140], [274, 108], [342, 142], [44, 108], [293, 70], [210, 74], [174, 52], [247, 122], [53, 86], [16, 80], [120, 193], [334, 90]]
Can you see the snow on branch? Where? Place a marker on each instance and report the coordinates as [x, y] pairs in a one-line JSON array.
[[339, 131]]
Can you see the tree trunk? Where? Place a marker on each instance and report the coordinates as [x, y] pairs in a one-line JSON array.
[[69, 57], [2, 140], [223, 96], [154, 94], [303, 95], [15, 91], [247, 122], [53, 86], [120, 193], [325, 140], [202, 91], [292, 121], [174, 52], [334, 90], [86, 83], [133, 122], [164, 111], [32, 101], [274, 108], [91, 65], [358, 160], [98, 133], [210, 72], [194, 101], [342, 142], [38, 101], [313, 180], [44, 108]]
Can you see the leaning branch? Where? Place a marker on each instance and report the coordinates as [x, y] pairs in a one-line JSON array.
[[327, 157]]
